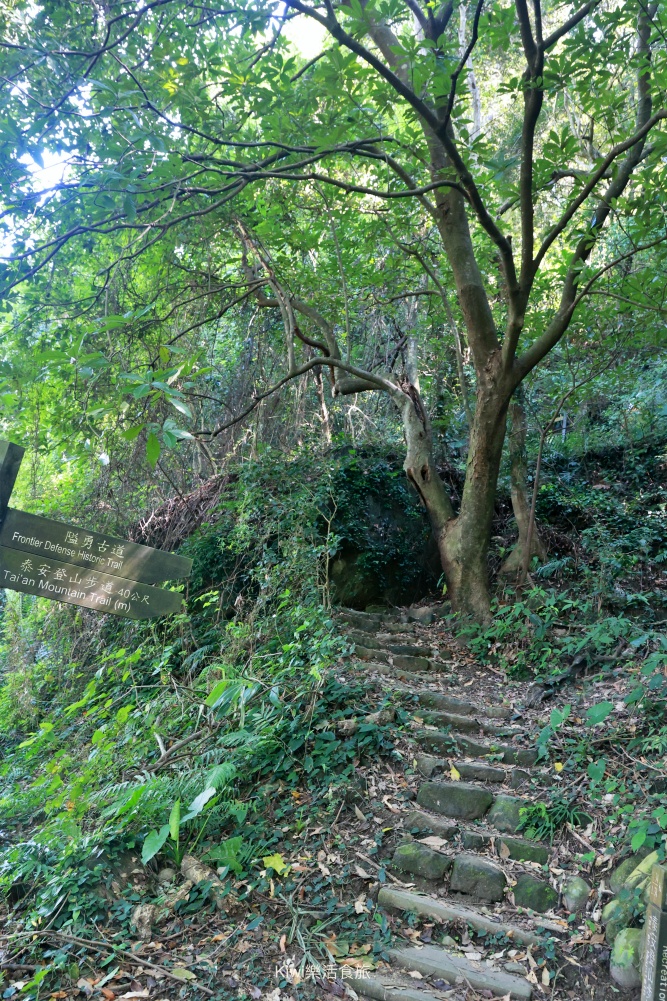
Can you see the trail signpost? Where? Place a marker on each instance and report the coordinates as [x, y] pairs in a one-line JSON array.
[[654, 979], [64, 563]]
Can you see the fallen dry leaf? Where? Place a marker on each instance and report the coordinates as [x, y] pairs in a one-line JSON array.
[[358, 814], [281, 944], [546, 977], [503, 851], [415, 974]]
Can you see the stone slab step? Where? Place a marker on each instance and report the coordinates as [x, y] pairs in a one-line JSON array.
[[385, 987], [449, 703], [459, 800], [432, 961], [433, 740], [520, 849], [470, 771], [424, 822], [466, 724], [407, 901], [397, 678]]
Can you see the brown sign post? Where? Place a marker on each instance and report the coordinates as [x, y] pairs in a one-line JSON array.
[[64, 563], [654, 977]]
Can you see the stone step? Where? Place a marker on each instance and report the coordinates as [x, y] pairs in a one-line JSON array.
[[449, 703], [433, 740], [385, 987], [472, 771], [397, 678], [468, 801], [398, 660], [479, 876], [466, 724], [410, 902], [368, 642], [372, 622], [518, 849], [433, 961]]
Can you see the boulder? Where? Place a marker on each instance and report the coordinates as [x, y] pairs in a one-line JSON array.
[[504, 814], [472, 841], [522, 850], [616, 916], [420, 860], [534, 893], [623, 870], [575, 894], [416, 820], [455, 799], [625, 963], [478, 877]]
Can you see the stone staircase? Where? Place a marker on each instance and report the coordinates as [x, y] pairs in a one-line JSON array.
[[461, 860]]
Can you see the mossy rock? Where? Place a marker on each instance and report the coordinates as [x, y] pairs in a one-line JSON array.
[[455, 799], [534, 893], [575, 894], [523, 851], [420, 860], [626, 958], [617, 915], [624, 869], [478, 877], [504, 815]]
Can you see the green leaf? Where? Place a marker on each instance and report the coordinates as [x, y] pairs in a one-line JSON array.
[[175, 820], [153, 842], [277, 863], [596, 769], [216, 693], [598, 713], [152, 449], [131, 433], [639, 838]]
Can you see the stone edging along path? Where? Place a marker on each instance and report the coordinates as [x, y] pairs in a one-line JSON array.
[[461, 844]]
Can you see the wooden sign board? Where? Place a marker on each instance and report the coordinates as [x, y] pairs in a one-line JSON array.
[[92, 550], [654, 978], [49, 578], [58, 561]]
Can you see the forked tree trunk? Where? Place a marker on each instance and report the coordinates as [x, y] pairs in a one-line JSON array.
[[463, 538], [520, 505]]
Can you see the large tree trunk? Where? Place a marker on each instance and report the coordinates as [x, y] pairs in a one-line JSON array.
[[463, 539], [465, 546], [520, 505]]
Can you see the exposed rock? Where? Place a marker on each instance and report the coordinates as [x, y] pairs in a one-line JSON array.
[[477, 876], [625, 963], [623, 870], [516, 968], [472, 841], [143, 918], [616, 916], [421, 860], [407, 663], [534, 893], [428, 765], [575, 894], [520, 777], [455, 799], [504, 814], [196, 872], [522, 850], [480, 772], [423, 822], [424, 615]]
